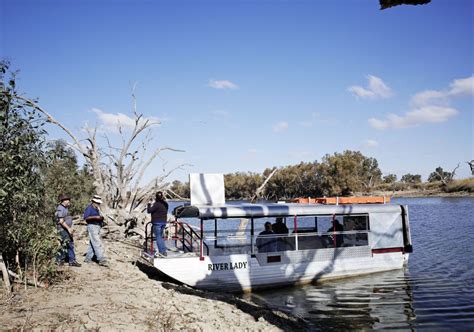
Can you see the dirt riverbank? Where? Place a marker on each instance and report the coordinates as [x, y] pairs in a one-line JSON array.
[[130, 296]]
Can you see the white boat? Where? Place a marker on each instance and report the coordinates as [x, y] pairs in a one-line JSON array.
[[224, 251], [375, 238]]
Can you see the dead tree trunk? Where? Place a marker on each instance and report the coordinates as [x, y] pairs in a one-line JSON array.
[[471, 165], [118, 171], [259, 190]]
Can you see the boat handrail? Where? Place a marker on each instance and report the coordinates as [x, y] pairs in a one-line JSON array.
[[299, 234], [188, 229], [312, 234]]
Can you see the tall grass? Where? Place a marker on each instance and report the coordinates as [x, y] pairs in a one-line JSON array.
[[461, 185]]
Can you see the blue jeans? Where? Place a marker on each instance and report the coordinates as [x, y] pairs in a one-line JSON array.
[[67, 247], [95, 244], [158, 229]]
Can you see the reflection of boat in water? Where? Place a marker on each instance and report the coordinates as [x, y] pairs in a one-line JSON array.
[[217, 255], [376, 301]]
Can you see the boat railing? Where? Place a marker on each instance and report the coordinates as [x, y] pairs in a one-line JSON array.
[[248, 244], [185, 236]]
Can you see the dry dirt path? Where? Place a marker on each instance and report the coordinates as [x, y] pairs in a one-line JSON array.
[[127, 296]]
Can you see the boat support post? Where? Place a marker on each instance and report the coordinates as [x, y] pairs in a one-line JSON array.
[[201, 255], [295, 230], [252, 249]]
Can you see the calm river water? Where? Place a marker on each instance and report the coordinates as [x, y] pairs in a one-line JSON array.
[[435, 291]]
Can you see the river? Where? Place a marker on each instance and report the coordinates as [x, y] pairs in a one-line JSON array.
[[435, 291]]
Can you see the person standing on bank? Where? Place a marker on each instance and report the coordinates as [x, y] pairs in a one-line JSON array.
[[159, 217], [64, 227], [95, 221]]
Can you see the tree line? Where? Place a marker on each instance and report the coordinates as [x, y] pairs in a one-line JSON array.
[[340, 174]]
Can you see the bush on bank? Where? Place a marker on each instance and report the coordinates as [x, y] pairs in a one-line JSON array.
[[32, 175]]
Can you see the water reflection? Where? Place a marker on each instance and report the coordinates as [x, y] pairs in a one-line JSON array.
[[368, 302]]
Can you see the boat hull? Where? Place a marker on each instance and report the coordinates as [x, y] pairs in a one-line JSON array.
[[243, 273]]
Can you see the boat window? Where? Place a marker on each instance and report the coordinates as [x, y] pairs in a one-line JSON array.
[[350, 230], [228, 236], [356, 228], [233, 235], [272, 234]]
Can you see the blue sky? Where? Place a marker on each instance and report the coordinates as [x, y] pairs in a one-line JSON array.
[[246, 85]]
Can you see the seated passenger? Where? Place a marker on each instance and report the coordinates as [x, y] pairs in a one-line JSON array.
[[280, 228], [265, 244], [336, 227]]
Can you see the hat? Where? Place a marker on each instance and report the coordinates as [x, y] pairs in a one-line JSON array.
[[62, 198], [96, 199]]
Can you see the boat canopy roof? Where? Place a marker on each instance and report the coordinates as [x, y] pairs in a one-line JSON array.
[[277, 210]]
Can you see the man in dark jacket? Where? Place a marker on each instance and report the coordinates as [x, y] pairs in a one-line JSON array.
[[159, 217]]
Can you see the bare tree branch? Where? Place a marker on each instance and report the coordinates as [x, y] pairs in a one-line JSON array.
[[51, 119], [260, 189]]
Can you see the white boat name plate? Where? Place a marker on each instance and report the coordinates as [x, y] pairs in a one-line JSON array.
[[227, 266]]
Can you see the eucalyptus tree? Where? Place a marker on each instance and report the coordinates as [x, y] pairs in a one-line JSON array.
[[26, 236], [62, 174], [348, 172]]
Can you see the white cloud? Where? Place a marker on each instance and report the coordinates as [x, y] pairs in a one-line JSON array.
[[222, 84], [378, 124], [376, 89], [462, 87], [416, 117], [429, 106], [428, 97], [110, 122], [370, 143], [280, 127], [457, 88], [426, 114]]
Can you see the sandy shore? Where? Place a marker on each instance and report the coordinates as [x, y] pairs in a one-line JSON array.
[[130, 296]]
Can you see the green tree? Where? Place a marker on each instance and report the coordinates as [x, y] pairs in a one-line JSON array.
[[293, 181], [411, 178], [62, 175], [440, 175], [24, 232], [348, 172], [241, 185], [390, 178], [180, 189]]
